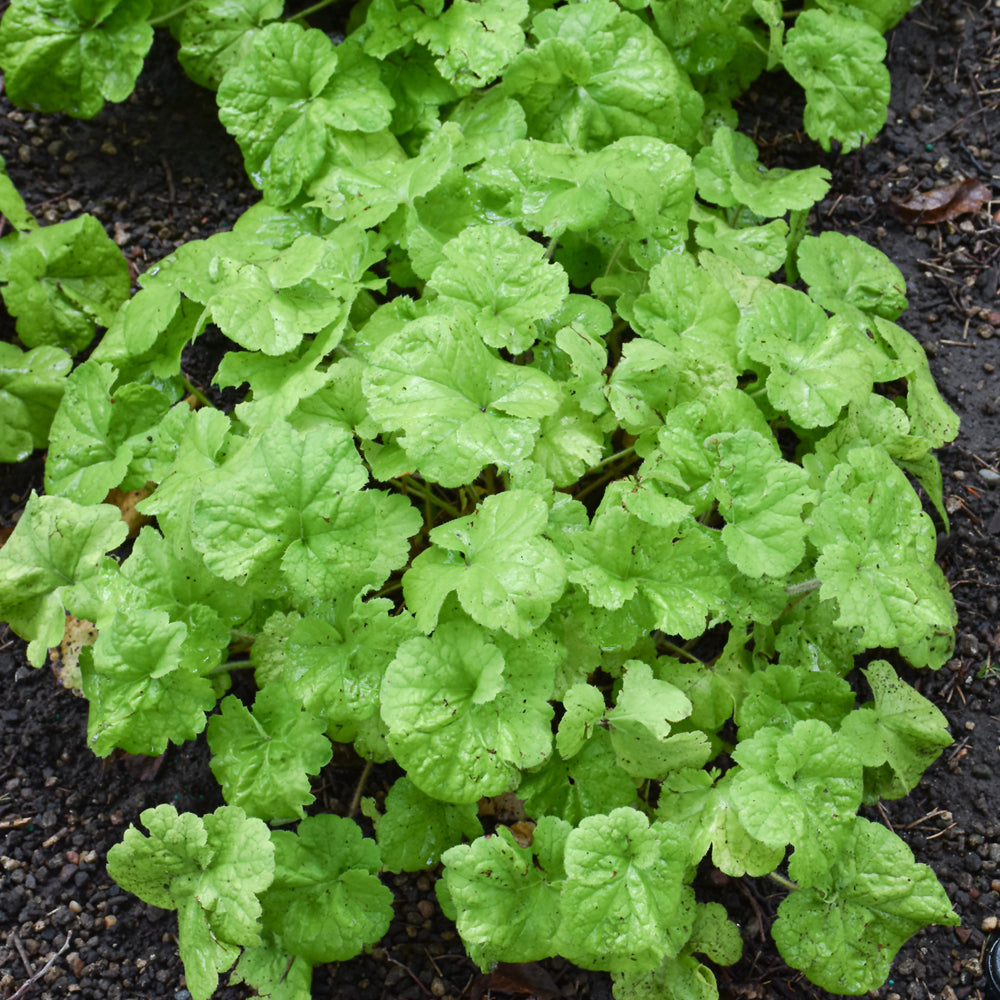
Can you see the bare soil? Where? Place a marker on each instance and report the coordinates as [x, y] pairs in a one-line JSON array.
[[158, 171]]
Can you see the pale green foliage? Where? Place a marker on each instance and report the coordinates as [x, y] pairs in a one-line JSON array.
[[62, 280], [72, 57], [31, 387], [521, 422], [838, 61], [210, 869], [263, 758]]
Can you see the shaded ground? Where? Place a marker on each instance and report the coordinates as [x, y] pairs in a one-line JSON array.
[[159, 171]]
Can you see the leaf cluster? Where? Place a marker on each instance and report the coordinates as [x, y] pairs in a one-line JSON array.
[[543, 482]]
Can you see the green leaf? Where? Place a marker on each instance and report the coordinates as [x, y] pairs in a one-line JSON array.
[[61, 280], [640, 720], [839, 62], [728, 173], [262, 759], [210, 869], [473, 40], [268, 301], [672, 573], [505, 574], [56, 544], [12, 206], [681, 464], [103, 437], [272, 972], [504, 283], [466, 710], [598, 74], [784, 694], [460, 407], [584, 708], [761, 497], [704, 809], [587, 783], [622, 891], [216, 34], [372, 176], [549, 186], [31, 387], [900, 733], [287, 98], [818, 364], [72, 57], [326, 903], [842, 270], [489, 121], [335, 670], [854, 912], [712, 934], [792, 787], [877, 554], [291, 507], [415, 830], [146, 685], [507, 896]]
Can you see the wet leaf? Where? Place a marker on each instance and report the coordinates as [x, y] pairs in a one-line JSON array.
[[942, 204]]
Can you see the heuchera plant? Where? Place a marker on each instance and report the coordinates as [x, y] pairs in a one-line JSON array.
[[541, 482]]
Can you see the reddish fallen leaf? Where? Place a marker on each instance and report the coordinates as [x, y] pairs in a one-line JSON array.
[[942, 204], [521, 979]]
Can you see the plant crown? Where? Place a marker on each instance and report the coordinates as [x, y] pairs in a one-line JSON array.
[[541, 482]]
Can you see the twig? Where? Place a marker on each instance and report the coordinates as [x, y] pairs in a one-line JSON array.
[[171, 194], [940, 832], [423, 989], [20, 950], [41, 972], [923, 819]]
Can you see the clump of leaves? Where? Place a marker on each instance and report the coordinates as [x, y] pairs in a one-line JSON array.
[[542, 482]]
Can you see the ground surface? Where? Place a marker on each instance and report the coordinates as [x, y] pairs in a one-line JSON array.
[[158, 171]]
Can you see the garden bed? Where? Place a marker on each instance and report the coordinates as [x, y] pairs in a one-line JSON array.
[[158, 171]]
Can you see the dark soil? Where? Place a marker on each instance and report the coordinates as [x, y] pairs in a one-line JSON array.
[[158, 171]]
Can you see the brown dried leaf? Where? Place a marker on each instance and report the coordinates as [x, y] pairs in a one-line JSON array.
[[942, 204], [521, 979], [66, 663], [125, 502]]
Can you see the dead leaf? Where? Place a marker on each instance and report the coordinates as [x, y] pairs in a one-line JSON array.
[[66, 662], [505, 808], [942, 204], [125, 502], [516, 979]]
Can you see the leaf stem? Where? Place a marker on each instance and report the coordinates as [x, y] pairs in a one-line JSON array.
[[155, 22], [196, 392], [782, 881], [356, 801], [806, 587], [610, 459], [410, 487], [229, 665], [681, 651], [303, 14]]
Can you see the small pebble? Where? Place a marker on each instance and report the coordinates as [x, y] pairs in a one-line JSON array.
[[989, 924]]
